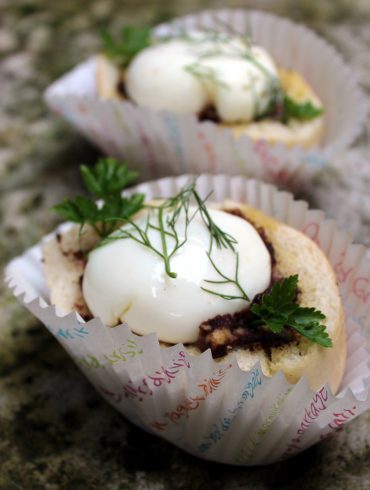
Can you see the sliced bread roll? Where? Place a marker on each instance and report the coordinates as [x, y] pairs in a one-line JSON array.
[[294, 253], [303, 133]]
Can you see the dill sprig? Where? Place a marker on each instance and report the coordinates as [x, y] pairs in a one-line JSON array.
[[222, 239], [163, 218], [156, 220], [205, 73], [226, 280], [141, 235]]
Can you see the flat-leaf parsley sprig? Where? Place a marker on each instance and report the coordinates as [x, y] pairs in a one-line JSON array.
[[105, 181], [303, 111], [279, 309], [131, 41]]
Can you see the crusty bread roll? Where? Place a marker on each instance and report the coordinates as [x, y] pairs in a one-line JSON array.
[[303, 133], [294, 253]]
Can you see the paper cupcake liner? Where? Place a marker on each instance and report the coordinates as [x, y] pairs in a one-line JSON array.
[[213, 409], [159, 143]]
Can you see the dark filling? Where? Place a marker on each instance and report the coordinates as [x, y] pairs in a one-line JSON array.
[[276, 112], [209, 113], [121, 87], [224, 332]]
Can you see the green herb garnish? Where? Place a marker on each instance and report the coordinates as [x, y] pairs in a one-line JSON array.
[[279, 309], [132, 40], [303, 111], [163, 219], [105, 181], [205, 73], [226, 280]]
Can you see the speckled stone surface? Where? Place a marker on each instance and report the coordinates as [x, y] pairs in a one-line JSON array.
[[55, 431]]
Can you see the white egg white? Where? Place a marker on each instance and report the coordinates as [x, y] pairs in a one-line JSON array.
[[124, 281]]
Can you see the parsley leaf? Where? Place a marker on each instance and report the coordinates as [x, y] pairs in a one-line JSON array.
[[107, 177], [132, 40], [304, 111], [278, 310], [105, 181], [80, 210]]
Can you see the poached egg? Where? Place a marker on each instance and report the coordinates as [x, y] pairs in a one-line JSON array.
[[187, 75], [125, 281]]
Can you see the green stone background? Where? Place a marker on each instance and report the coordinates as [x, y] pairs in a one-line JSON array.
[[55, 431]]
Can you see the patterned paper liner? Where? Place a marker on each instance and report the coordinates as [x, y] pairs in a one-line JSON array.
[[161, 143], [215, 410]]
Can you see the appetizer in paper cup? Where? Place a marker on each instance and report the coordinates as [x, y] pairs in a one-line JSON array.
[[207, 311], [230, 91]]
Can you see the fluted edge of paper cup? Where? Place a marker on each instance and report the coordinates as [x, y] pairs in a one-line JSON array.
[[213, 409], [160, 143]]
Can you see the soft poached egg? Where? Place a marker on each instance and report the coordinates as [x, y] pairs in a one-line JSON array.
[[124, 281], [187, 75]]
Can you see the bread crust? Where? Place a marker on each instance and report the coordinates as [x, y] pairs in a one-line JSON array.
[[303, 133], [294, 253]]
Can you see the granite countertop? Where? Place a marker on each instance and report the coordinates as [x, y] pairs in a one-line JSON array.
[[56, 432]]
